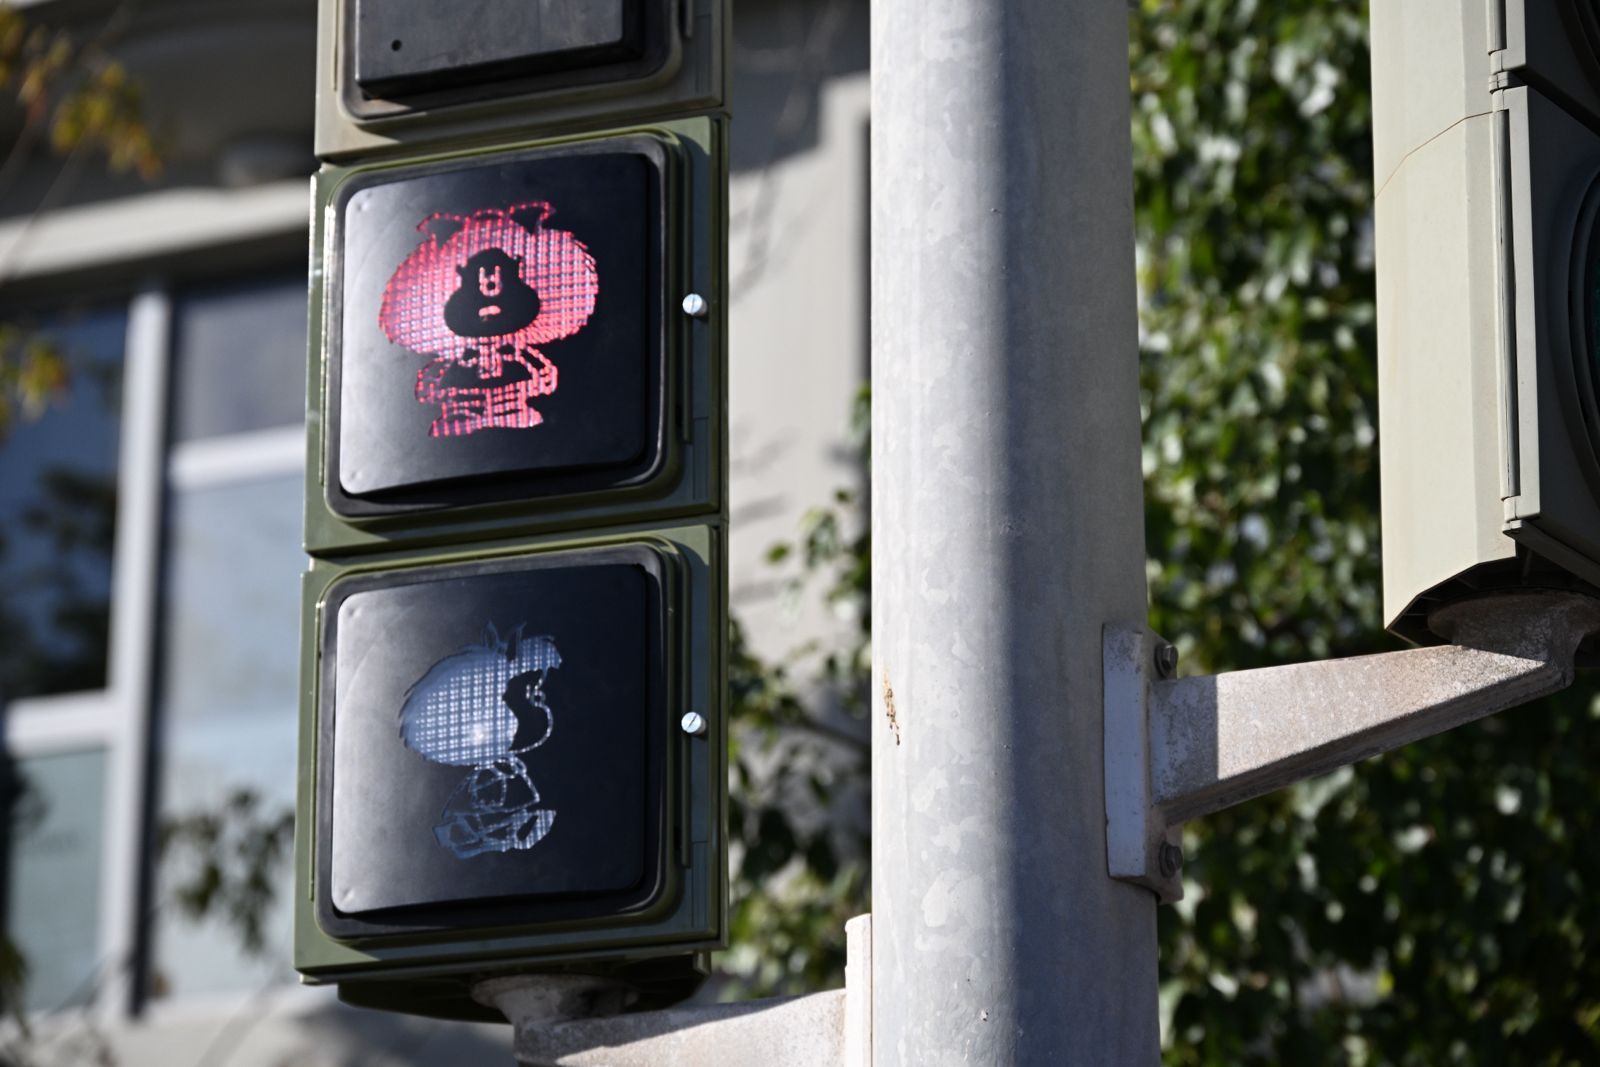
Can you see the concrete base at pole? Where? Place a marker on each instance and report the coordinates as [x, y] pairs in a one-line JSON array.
[[787, 1032], [569, 1021]]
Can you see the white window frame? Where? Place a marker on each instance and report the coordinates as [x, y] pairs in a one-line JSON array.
[[120, 238]]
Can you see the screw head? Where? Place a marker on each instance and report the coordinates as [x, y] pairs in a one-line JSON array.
[[1170, 859], [1166, 656], [695, 305], [693, 723]]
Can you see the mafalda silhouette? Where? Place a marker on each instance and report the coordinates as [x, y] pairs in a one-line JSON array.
[[483, 707], [479, 294]]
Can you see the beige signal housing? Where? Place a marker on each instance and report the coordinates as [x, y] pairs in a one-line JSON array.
[[1488, 472]]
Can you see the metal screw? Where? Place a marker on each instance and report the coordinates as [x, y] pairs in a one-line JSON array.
[[693, 723], [1170, 858], [695, 305], [1166, 659]]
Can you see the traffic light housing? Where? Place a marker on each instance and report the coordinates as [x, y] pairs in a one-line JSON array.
[[411, 438], [1486, 163], [514, 627], [502, 780]]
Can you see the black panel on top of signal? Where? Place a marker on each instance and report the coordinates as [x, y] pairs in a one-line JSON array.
[[498, 330], [410, 47]]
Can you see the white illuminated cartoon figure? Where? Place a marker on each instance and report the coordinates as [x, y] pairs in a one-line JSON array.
[[483, 707]]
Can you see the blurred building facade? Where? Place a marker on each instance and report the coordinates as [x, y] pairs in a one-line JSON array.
[[150, 515]]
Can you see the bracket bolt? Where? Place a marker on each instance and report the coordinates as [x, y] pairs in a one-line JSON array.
[[695, 305], [693, 723], [1166, 657], [1170, 858]]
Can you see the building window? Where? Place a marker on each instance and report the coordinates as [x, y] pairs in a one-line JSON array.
[[228, 687], [150, 569], [59, 497], [57, 541], [53, 903]]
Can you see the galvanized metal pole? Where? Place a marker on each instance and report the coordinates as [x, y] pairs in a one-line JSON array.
[[1008, 529]]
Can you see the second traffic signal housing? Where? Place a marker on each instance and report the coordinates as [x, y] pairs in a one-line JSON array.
[[1487, 159]]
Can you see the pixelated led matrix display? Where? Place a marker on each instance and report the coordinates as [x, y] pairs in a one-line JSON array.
[[479, 302], [496, 731], [500, 324], [482, 707]]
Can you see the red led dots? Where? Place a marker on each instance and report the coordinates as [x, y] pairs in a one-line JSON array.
[[479, 294]]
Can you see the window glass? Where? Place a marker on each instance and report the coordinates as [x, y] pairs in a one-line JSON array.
[[58, 494], [240, 358], [53, 897], [228, 710]]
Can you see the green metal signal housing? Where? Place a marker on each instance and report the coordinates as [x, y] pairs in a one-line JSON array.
[[415, 947], [683, 230], [514, 630], [418, 478]]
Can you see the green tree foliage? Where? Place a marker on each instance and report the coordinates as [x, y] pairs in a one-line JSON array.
[[33, 371], [71, 96], [74, 92], [1428, 907], [1253, 184], [229, 862], [800, 767]]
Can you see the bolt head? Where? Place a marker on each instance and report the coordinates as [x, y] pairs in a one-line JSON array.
[[1170, 859], [693, 723], [695, 305], [1166, 657]]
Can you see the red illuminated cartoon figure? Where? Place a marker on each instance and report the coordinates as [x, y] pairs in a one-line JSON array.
[[479, 295]]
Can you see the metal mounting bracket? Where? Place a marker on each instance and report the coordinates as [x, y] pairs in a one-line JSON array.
[[1180, 748]]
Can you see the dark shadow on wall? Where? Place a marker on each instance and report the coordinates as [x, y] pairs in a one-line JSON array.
[[784, 52]]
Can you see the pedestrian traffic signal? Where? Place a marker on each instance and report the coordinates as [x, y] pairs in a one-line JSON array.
[[503, 777], [1488, 170], [471, 298], [513, 641], [504, 342], [479, 658]]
